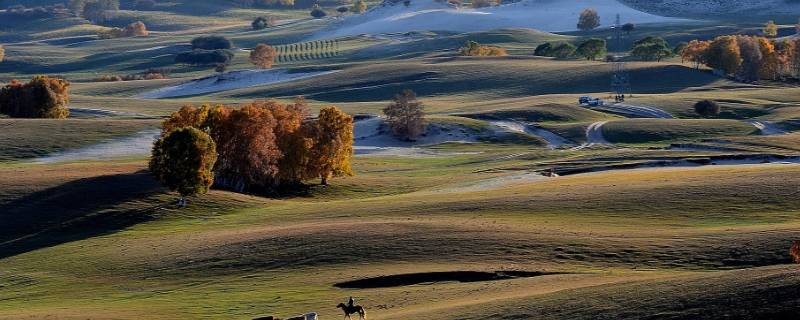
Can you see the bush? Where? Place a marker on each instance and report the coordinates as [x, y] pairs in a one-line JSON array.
[[261, 23], [707, 108], [317, 12], [475, 49], [183, 160], [200, 57], [543, 50], [136, 29], [211, 43], [42, 97]]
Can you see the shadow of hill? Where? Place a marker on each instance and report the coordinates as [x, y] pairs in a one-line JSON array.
[[75, 210]]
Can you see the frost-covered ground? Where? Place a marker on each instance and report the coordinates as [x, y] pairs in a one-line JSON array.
[[545, 15], [715, 8], [229, 81], [139, 144]]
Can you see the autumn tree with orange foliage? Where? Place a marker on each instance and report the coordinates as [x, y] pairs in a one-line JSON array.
[[769, 67], [695, 52], [42, 97], [723, 54], [333, 144], [263, 56], [794, 251], [268, 146]]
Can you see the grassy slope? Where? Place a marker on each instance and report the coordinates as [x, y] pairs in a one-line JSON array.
[[30, 138], [247, 256]]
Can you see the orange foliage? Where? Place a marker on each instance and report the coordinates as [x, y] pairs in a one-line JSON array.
[[795, 251], [267, 145], [695, 52], [263, 56], [42, 97]]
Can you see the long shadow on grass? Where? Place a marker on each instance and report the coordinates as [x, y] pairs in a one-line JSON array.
[[75, 210]]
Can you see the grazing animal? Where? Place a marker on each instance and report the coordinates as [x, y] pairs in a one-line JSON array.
[[348, 310]]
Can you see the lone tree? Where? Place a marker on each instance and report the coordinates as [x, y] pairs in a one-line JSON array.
[[707, 108], [589, 19], [628, 28], [2, 53], [183, 160], [770, 29], [406, 116], [592, 49], [795, 252], [263, 56], [42, 97]]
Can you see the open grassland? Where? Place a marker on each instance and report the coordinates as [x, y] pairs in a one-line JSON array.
[[247, 256], [23, 139], [102, 240]]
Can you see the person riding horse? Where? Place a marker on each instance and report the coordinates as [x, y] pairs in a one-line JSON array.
[[352, 308]]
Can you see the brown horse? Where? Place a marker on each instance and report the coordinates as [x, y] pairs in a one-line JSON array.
[[362, 315]]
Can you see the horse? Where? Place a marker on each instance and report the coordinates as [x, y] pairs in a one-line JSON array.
[[362, 315]]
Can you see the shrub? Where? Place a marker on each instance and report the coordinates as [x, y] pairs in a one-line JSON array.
[[261, 23], [475, 49], [406, 116], [317, 12], [770, 29], [183, 160], [42, 97], [707, 108], [543, 50], [200, 57], [211, 43], [136, 29]]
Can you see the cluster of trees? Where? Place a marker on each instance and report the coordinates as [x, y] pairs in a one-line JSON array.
[[208, 50], [747, 58], [149, 74], [94, 10], [266, 3], [136, 29], [39, 12], [405, 116], [590, 49], [42, 97], [264, 147], [472, 48]]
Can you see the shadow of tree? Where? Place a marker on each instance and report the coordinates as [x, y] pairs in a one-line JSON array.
[[76, 210]]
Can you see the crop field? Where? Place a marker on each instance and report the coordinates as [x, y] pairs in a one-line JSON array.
[[517, 202]]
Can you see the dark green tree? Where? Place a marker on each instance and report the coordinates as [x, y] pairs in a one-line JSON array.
[[183, 161]]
